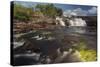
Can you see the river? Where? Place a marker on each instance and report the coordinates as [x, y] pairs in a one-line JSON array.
[[88, 34]]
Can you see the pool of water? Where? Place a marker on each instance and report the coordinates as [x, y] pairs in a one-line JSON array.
[[48, 40]]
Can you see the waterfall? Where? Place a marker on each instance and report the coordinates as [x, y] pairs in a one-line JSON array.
[[77, 22], [61, 22], [72, 22]]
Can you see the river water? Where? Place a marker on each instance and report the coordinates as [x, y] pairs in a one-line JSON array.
[[88, 34]]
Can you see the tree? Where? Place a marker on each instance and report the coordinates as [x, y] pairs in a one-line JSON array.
[[59, 12], [22, 13], [49, 10]]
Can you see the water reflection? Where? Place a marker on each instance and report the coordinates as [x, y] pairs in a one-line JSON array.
[[49, 41]]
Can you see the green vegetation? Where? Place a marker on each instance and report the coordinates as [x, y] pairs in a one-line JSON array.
[[49, 10], [26, 13], [22, 13], [88, 55]]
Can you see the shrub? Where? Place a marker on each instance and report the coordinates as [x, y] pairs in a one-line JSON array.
[[22, 13]]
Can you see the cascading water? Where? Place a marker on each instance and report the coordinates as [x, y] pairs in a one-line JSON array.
[[77, 22], [61, 22], [72, 22]]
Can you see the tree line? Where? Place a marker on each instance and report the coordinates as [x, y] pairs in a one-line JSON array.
[[25, 13]]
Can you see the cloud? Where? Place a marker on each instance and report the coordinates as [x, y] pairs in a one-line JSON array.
[[75, 12], [80, 12], [93, 10]]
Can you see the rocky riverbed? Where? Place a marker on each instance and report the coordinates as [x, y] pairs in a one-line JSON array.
[[51, 46]]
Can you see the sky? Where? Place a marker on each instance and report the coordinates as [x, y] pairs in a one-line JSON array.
[[68, 9]]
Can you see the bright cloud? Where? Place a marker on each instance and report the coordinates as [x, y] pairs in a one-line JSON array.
[[75, 12], [80, 12], [93, 10]]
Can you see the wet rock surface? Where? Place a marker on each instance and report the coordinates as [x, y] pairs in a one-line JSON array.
[[48, 48]]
